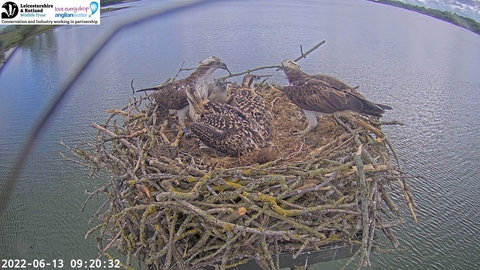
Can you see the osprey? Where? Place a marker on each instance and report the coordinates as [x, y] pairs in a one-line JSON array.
[[219, 92], [317, 97], [251, 103], [172, 96], [221, 126]]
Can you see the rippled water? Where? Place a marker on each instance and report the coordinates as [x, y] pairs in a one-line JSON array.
[[428, 70]]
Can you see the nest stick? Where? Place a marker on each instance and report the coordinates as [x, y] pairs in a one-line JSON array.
[[251, 70], [113, 135], [364, 257], [315, 188], [177, 138], [373, 220], [266, 252], [388, 200], [109, 245], [216, 222], [172, 222], [403, 185], [95, 192], [303, 55], [407, 200], [368, 126]]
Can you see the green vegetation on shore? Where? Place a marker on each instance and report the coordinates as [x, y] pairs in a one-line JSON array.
[[12, 34], [104, 3], [464, 22]]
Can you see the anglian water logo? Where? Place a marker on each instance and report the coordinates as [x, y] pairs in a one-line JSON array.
[[11, 10], [93, 7]]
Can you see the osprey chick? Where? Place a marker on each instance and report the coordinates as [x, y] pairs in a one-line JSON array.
[[317, 97], [251, 103], [219, 92], [223, 127]]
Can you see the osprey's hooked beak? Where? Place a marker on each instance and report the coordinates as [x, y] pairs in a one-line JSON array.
[[224, 66]]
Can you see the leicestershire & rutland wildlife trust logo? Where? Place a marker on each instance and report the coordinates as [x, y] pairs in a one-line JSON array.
[[11, 10]]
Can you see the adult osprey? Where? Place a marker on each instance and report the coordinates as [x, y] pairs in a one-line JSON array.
[[251, 103], [173, 96], [317, 97], [223, 127]]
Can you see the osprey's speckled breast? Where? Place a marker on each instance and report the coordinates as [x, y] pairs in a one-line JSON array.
[[251, 103]]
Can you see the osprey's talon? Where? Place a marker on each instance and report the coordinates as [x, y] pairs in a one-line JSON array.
[[299, 133], [201, 145], [296, 133], [185, 130]]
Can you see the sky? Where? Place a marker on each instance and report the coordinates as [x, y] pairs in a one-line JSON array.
[[467, 8]]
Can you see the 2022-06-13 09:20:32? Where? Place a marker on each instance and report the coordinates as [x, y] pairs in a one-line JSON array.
[[59, 264]]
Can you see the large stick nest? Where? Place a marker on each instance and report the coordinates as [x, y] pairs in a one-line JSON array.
[[185, 207]]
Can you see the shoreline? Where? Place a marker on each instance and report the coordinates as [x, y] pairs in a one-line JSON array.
[[467, 23], [6, 55]]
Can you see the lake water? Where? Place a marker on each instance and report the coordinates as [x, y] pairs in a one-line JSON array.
[[428, 70]]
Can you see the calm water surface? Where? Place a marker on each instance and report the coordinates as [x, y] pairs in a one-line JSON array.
[[428, 70]]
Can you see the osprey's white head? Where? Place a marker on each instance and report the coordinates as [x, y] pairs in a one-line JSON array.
[[289, 64], [249, 80], [212, 61]]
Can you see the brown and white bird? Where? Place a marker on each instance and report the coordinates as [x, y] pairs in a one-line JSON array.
[[173, 95], [223, 127], [248, 101], [317, 97], [219, 91]]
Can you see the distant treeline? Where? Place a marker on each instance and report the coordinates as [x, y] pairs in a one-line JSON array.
[[104, 3], [465, 22]]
